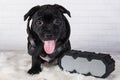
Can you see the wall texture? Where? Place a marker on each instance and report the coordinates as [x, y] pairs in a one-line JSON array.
[[95, 24]]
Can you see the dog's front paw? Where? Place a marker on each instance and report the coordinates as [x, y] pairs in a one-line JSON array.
[[34, 70]]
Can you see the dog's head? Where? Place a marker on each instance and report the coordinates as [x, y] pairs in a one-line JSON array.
[[49, 24]]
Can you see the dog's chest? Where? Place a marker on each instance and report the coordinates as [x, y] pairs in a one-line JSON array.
[[46, 58]]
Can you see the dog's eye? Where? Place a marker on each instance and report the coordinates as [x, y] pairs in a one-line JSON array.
[[57, 22], [39, 22]]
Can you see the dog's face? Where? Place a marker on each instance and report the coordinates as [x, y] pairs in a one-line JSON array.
[[49, 23]]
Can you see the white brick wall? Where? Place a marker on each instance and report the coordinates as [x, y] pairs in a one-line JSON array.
[[95, 24]]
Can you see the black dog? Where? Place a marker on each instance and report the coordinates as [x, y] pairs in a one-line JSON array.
[[48, 34]]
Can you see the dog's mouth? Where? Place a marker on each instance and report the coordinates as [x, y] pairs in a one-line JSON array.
[[49, 46]]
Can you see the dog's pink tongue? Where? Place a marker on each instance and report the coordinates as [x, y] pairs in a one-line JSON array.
[[49, 46]]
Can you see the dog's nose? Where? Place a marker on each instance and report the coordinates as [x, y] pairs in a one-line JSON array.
[[48, 35]]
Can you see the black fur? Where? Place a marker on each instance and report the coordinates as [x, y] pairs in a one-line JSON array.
[[48, 23]]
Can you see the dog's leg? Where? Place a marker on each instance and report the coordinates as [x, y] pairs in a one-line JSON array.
[[36, 66]]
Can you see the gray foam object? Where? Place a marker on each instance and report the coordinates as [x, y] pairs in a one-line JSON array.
[[83, 66], [88, 63]]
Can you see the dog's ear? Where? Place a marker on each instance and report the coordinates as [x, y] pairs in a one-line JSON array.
[[31, 12], [62, 9]]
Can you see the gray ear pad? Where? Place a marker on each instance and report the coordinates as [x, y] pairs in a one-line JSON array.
[[87, 63]]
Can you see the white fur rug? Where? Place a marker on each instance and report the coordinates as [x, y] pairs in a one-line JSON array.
[[14, 66]]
